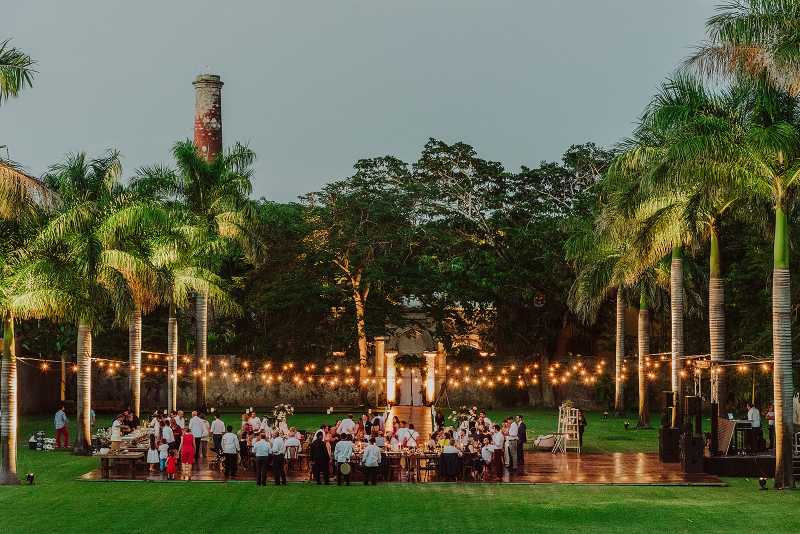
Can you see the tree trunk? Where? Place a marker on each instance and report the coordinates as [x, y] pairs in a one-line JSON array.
[[172, 349], [716, 321], [676, 309], [201, 348], [782, 354], [644, 351], [135, 360], [620, 353], [83, 441], [363, 353], [8, 405]]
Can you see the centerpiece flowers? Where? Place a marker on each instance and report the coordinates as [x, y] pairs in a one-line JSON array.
[[281, 411], [463, 414]]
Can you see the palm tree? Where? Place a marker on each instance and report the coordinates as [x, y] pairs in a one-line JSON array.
[[596, 256], [73, 270], [757, 150], [16, 232], [16, 71], [755, 39], [216, 198], [177, 258]]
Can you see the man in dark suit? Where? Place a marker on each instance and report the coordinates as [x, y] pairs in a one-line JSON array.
[[522, 432], [320, 459]]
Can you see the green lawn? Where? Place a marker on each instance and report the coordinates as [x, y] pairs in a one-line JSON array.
[[59, 502]]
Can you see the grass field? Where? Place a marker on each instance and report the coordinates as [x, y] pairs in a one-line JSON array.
[[58, 502]]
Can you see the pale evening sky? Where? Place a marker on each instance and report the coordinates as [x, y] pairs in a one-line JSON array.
[[312, 86]]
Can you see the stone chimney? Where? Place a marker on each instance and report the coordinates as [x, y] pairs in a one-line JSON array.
[[208, 115]]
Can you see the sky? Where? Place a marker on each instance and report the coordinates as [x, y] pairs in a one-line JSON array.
[[312, 86]]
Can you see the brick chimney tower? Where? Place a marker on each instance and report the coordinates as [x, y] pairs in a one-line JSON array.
[[208, 114]]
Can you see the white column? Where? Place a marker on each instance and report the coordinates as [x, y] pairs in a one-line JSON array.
[[430, 377], [391, 377]]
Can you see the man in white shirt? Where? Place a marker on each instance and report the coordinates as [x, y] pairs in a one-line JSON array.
[[403, 432], [265, 428], [512, 443], [167, 434], [346, 425], [341, 455], [371, 459], [255, 422], [754, 416], [261, 450], [498, 442], [179, 420], [217, 430], [230, 448], [278, 458], [196, 427]]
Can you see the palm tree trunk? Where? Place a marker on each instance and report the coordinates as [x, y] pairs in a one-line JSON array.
[[620, 353], [8, 405], [676, 308], [135, 360], [172, 349], [644, 352], [83, 441], [363, 353], [716, 319], [782, 353], [201, 348]]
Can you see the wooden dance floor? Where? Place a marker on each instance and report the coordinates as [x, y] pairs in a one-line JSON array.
[[539, 468]]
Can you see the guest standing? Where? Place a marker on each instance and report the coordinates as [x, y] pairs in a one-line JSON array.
[[581, 427], [320, 458], [498, 442], [230, 448], [60, 422], [371, 459], [261, 450], [342, 454], [512, 438], [217, 431], [754, 416], [522, 432], [188, 454], [278, 460], [196, 429]]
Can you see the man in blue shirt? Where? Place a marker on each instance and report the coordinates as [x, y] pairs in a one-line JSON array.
[[371, 459], [60, 421]]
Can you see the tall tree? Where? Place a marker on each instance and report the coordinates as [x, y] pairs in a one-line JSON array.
[[72, 271], [215, 195], [362, 225]]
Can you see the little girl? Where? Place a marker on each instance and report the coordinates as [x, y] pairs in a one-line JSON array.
[[152, 457], [172, 464], [163, 453]]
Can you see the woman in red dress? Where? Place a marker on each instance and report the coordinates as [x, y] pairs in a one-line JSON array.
[[187, 454]]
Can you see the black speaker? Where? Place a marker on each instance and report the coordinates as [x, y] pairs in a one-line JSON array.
[[694, 406], [692, 454], [669, 445]]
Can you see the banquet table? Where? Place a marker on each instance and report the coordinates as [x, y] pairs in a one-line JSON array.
[[114, 461]]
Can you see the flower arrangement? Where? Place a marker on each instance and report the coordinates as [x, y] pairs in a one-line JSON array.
[[462, 414], [282, 411], [102, 437]]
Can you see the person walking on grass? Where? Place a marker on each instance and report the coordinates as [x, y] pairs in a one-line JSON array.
[[60, 422]]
